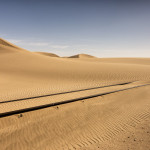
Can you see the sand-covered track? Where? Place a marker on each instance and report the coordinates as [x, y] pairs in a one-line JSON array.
[[32, 104], [76, 120], [60, 93], [78, 125]]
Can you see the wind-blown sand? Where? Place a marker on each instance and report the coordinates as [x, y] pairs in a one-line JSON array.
[[68, 103]]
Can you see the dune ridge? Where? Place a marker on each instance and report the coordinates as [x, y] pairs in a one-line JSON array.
[[82, 56], [6, 43], [47, 54]]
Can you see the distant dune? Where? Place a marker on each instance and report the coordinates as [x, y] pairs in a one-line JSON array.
[[82, 56], [47, 54], [63, 103]]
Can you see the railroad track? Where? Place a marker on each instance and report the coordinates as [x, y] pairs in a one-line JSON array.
[[60, 93], [32, 105]]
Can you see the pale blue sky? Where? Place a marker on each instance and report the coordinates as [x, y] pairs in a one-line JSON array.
[[115, 28]]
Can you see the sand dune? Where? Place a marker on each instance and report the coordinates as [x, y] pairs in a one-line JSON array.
[[68, 103], [47, 54], [82, 56]]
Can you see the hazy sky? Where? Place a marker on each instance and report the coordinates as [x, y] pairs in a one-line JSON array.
[[104, 28]]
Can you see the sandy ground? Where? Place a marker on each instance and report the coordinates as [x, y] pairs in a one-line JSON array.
[[80, 102]]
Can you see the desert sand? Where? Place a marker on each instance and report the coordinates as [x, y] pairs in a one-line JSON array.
[[78, 102]]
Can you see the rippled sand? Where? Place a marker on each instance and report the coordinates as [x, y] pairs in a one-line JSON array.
[[81, 102]]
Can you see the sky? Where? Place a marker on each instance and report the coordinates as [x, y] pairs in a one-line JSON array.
[[103, 28]]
